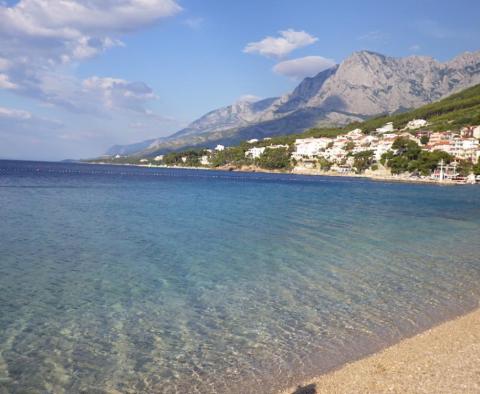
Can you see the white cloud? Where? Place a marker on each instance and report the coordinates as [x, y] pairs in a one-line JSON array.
[[303, 67], [8, 113], [5, 82], [12, 119], [43, 39], [117, 93], [72, 18], [249, 98], [288, 41]]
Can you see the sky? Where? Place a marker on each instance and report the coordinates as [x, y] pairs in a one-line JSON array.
[[77, 76]]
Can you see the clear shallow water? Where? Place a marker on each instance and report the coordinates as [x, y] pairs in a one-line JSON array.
[[116, 279]]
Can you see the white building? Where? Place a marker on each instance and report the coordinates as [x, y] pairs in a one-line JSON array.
[[310, 147], [355, 134], [219, 148], [387, 128], [476, 132], [359, 149], [439, 137], [383, 146], [204, 160], [335, 154], [252, 141], [445, 146], [469, 143], [158, 158], [465, 148], [143, 160], [254, 153], [368, 139], [416, 124]]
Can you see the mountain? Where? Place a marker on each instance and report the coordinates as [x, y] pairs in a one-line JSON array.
[[366, 84], [239, 114], [130, 149]]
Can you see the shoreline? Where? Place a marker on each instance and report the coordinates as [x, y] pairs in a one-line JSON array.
[[302, 171], [442, 359]]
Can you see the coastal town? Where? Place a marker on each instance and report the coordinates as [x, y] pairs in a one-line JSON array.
[[411, 153]]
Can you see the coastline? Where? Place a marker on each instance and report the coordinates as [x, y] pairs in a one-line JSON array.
[[380, 177], [443, 359]]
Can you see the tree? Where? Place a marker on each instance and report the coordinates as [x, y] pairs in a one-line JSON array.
[[324, 164], [476, 168], [350, 145], [234, 155], [424, 139], [464, 168], [408, 157], [362, 160], [274, 159], [407, 147]]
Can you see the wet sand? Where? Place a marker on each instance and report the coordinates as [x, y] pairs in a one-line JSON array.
[[444, 359]]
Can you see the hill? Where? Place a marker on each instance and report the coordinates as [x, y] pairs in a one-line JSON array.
[[451, 113], [366, 84]]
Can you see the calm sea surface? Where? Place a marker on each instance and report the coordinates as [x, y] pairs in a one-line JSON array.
[[122, 279]]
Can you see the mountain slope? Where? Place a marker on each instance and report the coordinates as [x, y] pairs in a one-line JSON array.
[[364, 85], [370, 83], [130, 149], [451, 113]]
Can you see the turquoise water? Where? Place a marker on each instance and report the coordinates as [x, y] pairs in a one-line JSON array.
[[119, 279]]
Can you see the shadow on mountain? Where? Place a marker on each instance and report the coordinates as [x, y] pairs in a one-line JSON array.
[[309, 389], [334, 103]]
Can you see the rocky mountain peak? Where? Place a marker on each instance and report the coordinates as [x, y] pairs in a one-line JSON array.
[[364, 84]]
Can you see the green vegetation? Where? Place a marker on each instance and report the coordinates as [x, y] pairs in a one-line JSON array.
[[122, 160], [190, 158], [234, 156], [324, 164], [476, 169], [464, 168], [289, 139], [452, 113], [349, 146], [424, 139], [407, 156], [363, 160], [275, 159]]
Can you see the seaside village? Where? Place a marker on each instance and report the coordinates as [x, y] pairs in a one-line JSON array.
[[341, 151], [337, 155]]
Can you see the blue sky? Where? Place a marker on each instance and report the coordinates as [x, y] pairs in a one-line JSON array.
[[77, 78]]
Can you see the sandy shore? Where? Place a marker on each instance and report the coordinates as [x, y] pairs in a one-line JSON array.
[[444, 359]]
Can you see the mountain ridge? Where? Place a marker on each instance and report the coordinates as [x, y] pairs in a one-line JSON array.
[[364, 85]]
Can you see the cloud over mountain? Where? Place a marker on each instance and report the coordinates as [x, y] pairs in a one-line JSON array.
[[303, 67], [288, 41]]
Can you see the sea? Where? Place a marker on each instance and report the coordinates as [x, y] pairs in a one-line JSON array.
[[122, 279]]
